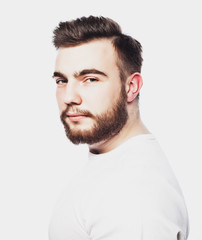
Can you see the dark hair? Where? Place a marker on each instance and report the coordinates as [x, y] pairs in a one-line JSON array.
[[85, 29]]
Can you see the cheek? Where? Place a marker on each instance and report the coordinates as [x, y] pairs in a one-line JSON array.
[[100, 101], [58, 94], [60, 101]]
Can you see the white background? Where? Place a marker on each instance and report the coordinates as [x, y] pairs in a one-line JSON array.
[[36, 158]]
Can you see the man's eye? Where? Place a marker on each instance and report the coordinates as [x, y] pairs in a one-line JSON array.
[[91, 80], [60, 81]]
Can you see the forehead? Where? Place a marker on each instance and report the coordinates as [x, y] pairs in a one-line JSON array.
[[95, 54]]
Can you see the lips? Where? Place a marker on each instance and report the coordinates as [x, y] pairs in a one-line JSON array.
[[76, 117]]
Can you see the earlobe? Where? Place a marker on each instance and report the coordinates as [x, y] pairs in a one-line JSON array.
[[134, 84]]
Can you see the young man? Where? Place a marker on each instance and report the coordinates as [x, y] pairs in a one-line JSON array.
[[127, 189]]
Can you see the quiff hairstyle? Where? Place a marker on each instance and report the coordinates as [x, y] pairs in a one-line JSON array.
[[86, 29]]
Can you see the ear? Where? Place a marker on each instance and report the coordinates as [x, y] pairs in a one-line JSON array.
[[133, 85]]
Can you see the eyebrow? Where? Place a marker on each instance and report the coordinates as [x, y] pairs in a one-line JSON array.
[[81, 73], [89, 71], [59, 74]]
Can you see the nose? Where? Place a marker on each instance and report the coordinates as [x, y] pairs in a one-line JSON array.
[[71, 94]]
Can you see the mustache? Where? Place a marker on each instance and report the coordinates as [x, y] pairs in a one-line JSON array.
[[75, 111]]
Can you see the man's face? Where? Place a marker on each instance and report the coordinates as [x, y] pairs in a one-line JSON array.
[[90, 95]]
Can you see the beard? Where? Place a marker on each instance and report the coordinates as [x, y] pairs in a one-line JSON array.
[[106, 125]]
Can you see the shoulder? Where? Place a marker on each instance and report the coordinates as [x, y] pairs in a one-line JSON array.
[[135, 201]]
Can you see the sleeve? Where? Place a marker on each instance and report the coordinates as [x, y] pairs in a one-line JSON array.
[[135, 206]]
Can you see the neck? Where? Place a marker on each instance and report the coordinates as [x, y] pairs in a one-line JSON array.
[[132, 128]]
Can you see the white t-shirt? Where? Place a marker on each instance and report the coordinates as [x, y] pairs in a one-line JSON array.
[[129, 193]]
